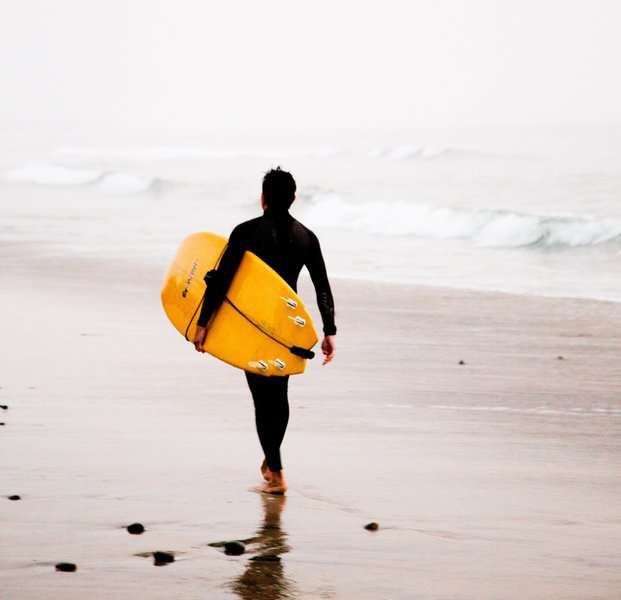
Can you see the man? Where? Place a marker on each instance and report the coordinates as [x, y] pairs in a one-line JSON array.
[[287, 246]]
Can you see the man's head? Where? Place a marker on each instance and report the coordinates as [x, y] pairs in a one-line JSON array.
[[278, 190]]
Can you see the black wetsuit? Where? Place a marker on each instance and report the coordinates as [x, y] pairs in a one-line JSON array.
[[287, 246]]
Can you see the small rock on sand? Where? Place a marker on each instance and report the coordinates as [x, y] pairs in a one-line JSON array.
[[234, 548], [4, 406], [135, 528], [66, 567], [462, 362], [162, 558], [560, 357], [373, 526], [15, 497]]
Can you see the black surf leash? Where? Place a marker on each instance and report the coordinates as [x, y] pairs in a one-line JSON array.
[[297, 350], [210, 275]]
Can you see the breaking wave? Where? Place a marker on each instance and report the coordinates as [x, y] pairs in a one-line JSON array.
[[411, 152], [109, 182], [494, 228], [326, 151], [176, 153]]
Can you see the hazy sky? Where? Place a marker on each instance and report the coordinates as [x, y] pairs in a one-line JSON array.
[[177, 65]]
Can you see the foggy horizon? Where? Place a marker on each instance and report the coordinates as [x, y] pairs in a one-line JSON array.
[[191, 69]]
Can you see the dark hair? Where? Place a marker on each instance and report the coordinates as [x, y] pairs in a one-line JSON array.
[[278, 189]]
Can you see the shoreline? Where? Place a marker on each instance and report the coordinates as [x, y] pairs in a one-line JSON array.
[[153, 270]]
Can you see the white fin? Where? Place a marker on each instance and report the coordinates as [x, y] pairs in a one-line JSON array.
[[299, 321], [290, 302], [258, 364], [278, 363]]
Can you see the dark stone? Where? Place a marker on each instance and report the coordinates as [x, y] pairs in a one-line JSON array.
[[4, 406], [234, 548], [373, 526], [135, 528], [461, 362], [15, 497], [223, 544], [162, 558], [2, 423], [560, 358], [66, 567], [266, 558]]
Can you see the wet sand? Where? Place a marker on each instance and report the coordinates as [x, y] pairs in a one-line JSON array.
[[497, 478]]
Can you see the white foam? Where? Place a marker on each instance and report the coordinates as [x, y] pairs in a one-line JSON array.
[[537, 410], [52, 174], [510, 230], [124, 183], [421, 152], [483, 227], [178, 153]]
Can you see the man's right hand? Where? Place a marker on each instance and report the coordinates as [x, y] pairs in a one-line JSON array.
[[328, 347], [199, 338]]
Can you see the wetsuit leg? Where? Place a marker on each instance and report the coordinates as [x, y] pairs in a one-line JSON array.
[[271, 409]]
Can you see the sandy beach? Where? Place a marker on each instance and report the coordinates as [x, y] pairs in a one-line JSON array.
[[493, 479]]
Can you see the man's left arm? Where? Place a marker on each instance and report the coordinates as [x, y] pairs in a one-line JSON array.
[[219, 284]]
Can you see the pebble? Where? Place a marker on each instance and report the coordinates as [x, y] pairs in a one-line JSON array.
[[66, 567], [4, 406], [560, 358], [373, 526], [461, 362], [2, 423], [234, 548], [162, 558], [135, 528], [15, 497]]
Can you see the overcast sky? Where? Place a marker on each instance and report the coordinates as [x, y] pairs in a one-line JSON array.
[[176, 65]]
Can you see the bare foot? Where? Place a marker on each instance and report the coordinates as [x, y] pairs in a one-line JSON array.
[[265, 471], [271, 488], [276, 485]]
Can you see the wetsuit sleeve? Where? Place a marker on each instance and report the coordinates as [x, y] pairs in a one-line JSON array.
[[220, 282], [317, 269]]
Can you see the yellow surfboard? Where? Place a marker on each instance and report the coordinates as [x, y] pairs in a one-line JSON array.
[[262, 325]]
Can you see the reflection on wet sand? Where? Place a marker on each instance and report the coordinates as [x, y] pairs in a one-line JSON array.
[[264, 577]]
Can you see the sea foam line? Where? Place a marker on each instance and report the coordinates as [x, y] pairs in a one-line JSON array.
[[539, 410], [54, 175], [484, 227]]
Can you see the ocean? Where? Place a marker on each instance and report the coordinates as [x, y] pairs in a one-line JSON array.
[[524, 210]]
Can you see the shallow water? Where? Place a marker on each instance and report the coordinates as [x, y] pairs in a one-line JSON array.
[[528, 211]]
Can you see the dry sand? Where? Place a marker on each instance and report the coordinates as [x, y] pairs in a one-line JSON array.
[[494, 479]]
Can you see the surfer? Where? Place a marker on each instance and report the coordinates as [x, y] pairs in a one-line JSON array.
[[285, 245]]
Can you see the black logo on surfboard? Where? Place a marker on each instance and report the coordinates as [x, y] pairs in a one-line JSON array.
[[189, 279]]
